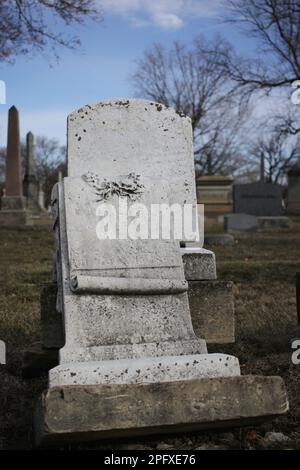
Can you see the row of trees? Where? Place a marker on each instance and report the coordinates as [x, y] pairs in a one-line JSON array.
[[207, 80], [218, 89]]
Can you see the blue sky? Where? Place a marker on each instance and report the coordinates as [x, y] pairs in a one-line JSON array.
[[45, 94]]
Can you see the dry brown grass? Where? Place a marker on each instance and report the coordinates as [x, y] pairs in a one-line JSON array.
[[263, 268]]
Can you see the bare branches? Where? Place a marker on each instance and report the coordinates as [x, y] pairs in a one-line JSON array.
[[191, 80], [276, 26], [24, 24], [279, 149]]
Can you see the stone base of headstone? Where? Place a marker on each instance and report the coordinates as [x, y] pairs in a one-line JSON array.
[[91, 412], [13, 212], [211, 305], [266, 223], [212, 310], [31, 192]]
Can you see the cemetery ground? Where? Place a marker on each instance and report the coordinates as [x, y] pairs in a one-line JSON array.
[[262, 267]]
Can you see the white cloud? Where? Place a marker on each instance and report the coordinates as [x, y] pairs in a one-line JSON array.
[[167, 20], [166, 14]]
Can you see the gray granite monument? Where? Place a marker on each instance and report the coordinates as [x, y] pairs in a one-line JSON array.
[[259, 199]]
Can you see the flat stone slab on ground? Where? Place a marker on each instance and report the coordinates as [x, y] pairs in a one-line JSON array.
[[91, 412], [266, 223]]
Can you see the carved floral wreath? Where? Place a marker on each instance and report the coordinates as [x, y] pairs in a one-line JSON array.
[[130, 186]]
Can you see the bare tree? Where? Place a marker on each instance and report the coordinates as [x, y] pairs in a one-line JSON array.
[[275, 26], [278, 149], [189, 79], [24, 24], [50, 158]]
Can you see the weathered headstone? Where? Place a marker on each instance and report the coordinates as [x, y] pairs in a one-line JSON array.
[[260, 199], [131, 363], [293, 202], [30, 182], [13, 203]]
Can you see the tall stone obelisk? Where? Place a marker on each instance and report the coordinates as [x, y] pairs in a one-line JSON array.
[[13, 184], [30, 183], [13, 203]]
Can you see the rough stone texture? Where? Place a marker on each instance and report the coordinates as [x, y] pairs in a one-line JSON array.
[[267, 223], [261, 199], [37, 360], [211, 306], [145, 370], [134, 135], [218, 239], [84, 413], [240, 222], [215, 192], [52, 332], [212, 310], [199, 264], [152, 325], [293, 202]]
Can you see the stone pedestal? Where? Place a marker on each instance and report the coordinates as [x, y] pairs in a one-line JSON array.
[[13, 212], [215, 192], [91, 412]]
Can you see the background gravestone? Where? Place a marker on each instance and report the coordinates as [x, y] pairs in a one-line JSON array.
[[215, 192], [13, 203], [30, 182], [260, 199], [293, 204]]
